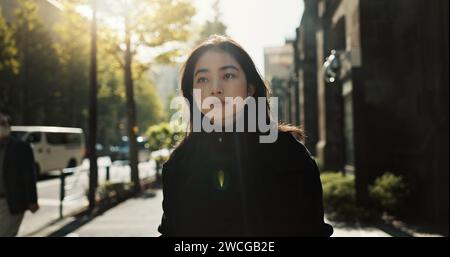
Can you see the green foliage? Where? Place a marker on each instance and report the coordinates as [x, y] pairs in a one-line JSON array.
[[162, 136], [37, 83], [110, 192], [154, 24], [72, 45], [150, 110], [45, 70], [8, 50], [389, 192], [159, 137], [9, 64], [339, 196]]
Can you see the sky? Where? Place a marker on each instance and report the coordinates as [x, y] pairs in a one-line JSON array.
[[255, 24]]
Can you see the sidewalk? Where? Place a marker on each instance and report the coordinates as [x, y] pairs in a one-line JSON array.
[[140, 217], [136, 217], [344, 230]]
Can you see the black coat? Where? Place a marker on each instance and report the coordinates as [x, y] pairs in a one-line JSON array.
[[229, 184], [19, 176]]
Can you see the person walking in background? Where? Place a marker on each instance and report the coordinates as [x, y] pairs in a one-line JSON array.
[[17, 180]]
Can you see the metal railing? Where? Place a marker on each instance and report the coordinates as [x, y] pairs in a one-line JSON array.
[[78, 172]]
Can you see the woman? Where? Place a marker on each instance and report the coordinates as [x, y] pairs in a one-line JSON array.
[[228, 183]]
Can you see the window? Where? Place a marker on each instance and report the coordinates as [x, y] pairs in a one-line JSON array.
[[18, 135], [73, 139], [56, 138], [34, 137], [63, 138]]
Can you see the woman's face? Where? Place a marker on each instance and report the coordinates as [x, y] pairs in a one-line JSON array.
[[218, 74]]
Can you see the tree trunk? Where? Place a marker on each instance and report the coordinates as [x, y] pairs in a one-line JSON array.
[[131, 111]]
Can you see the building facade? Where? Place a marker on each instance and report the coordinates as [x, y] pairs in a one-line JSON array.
[[387, 110], [279, 70]]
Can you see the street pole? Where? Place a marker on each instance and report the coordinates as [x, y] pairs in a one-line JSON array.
[[93, 175]]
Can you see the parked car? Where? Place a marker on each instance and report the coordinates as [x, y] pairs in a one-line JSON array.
[[121, 152], [54, 148]]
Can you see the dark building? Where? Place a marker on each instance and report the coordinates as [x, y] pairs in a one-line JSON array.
[[387, 110], [306, 73]]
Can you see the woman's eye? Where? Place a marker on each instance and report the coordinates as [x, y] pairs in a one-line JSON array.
[[229, 76], [202, 80]]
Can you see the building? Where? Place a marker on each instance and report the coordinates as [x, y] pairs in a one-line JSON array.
[[387, 109], [278, 69]]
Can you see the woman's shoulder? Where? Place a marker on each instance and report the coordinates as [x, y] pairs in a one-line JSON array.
[[290, 141], [294, 158], [179, 151]]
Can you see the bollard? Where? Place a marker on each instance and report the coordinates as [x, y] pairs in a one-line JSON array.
[[62, 193], [107, 173]]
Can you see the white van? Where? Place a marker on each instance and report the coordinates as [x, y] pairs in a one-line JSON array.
[[54, 148]]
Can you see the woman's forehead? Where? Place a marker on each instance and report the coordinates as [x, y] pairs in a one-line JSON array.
[[215, 60]]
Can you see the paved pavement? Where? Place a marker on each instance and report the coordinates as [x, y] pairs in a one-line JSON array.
[[140, 217], [135, 217], [76, 188], [344, 230]]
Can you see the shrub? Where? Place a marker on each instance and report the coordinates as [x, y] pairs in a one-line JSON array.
[[389, 193], [163, 135], [339, 197], [114, 191]]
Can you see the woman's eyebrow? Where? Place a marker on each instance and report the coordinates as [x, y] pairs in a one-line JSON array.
[[229, 67], [221, 68], [200, 70]]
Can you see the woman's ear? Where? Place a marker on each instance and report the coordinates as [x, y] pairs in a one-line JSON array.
[[251, 90]]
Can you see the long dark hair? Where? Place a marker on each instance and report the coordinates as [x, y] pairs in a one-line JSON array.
[[228, 45]]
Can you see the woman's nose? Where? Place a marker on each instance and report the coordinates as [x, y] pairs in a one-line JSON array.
[[216, 88]]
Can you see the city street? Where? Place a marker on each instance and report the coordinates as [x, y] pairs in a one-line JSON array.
[[76, 188], [355, 91]]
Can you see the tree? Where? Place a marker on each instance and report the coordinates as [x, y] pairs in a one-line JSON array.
[[162, 136], [9, 65], [37, 95], [72, 47], [148, 103], [216, 26], [154, 24], [49, 85]]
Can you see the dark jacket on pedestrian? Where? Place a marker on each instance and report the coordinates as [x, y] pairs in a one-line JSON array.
[[19, 176], [229, 184]]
